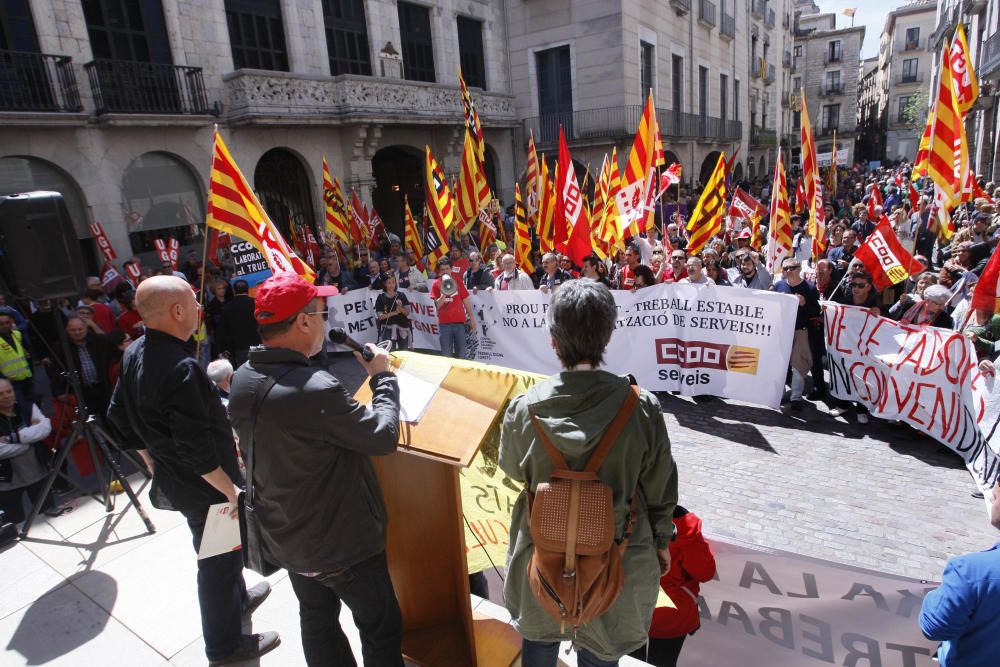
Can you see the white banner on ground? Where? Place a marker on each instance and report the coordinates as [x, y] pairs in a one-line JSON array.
[[924, 376], [694, 339]]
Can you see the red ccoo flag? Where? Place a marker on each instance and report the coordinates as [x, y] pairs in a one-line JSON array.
[[885, 258], [986, 295], [570, 222]]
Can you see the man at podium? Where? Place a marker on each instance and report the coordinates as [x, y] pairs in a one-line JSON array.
[[574, 408]]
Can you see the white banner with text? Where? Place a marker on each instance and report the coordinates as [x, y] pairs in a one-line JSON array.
[[694, 339]]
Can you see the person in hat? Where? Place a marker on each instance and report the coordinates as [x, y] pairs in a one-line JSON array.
[[167, 408], [317, 499]]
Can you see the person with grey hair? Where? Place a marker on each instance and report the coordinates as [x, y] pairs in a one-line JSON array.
[[932, 310], [220, 372], [477, 276], [571, 410], [552, 276]]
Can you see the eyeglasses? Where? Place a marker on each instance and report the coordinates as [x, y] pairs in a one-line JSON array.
[[859, 285], [324, 313], [795, 267]]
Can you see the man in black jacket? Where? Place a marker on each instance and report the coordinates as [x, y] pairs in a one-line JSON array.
[[165, 407], [316, 495], [237, 328]]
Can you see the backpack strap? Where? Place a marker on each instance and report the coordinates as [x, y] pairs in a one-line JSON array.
[[614, 430], [558, 460]]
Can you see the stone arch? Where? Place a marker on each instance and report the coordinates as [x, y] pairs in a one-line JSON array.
[[398, 172], [283, 183], [162, 198], [738, 172], [708, 166], [751, 169], [762, 166]]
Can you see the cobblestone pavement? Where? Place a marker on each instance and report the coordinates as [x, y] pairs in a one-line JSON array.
[[877, 496]]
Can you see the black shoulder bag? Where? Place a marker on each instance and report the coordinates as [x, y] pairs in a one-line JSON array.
[[250, 531]]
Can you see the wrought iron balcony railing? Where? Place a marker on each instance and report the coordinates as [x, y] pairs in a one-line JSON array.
[[762, 137], [121, 86], [37, 82], [728, 26], [989, 65], [706, 12]]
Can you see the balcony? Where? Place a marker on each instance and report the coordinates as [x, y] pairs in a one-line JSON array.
[[755, 67], [786, 59], [904, 79], [605, 123], [828, 130], [769, 22], [282, 98], [973, 6], [791, 139], [680, 125], [771, 74], [681, 7], [910, 45], [786, 21], [128, 87], [758, 8], [989, 65], [706, 13], [835, 57], [31, 82], [831, 90], [761, 137], [728, 26]]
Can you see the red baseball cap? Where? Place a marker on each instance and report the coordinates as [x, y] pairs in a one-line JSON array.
[[284, 294]]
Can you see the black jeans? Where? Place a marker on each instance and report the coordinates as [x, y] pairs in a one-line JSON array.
[[12, 503], [817, 346], [222, 594], [367, 591], [661, 652]]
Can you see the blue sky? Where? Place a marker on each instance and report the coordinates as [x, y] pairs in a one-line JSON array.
[[870, 13]]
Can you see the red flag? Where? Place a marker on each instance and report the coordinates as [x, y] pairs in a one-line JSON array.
[[110, 278], [874, 200], [801, 204], [570, 222], [914, 197], [885, 258], [745, 206], [985, 295], [161, 250], [133, 271], [174, 251], [670, 177], [102, 241]]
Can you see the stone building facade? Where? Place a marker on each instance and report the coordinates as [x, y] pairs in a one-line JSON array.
[[715, 69], [115, 106], [905, 64], [828, 67]]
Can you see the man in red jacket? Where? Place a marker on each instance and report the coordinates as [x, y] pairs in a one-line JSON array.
[[691, 564]]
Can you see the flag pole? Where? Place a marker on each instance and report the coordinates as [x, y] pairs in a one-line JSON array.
[[204, 262]]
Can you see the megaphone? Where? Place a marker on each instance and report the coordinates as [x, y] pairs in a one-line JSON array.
[[448, 285]]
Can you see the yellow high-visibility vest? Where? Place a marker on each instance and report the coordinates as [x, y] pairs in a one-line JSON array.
[[13, 362]]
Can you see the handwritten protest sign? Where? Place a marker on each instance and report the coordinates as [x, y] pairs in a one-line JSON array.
[[695, 339], [924, 376]]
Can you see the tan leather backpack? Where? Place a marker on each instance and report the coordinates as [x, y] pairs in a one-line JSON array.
[[576, 569]]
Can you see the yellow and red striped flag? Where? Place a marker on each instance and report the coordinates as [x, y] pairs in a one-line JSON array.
[[962, 72], [706, 221], [546, 210], [612, 231], [472, 192], [779, 234], [233, 208], [472, 124], [599, 210], [333, 202], [531, 180], [522, 235], [946, 162], [811, 180], [438, 200], [640, 170], [923, 151], [411, 233]]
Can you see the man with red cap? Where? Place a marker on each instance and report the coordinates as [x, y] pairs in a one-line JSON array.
[[318, 502]]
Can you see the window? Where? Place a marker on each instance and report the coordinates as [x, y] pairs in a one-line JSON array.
[[555, 92], [736, 99], [702, 91], [724, 96], [912, 39], [647, 58], [797, 84], [677, 82], [418, 47], [910, 70], [798, 51], [833, 82], [831, 117], [470, 52], [127, 30], [833, 52], [257, 34], [904, 102], [347, 37], [17, 29], [162, 199]]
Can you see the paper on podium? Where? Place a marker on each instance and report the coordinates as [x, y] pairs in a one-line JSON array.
[[415, 394], [222, 532]]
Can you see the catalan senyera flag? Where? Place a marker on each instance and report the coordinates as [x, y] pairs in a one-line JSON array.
[[472, 124], [333, 202], [438, 199], [359, 220], [830, 182], [923, 151], [644, 158], [612, 231], [546, 210], [706, 221], [947, 164], [962, 72], [811, 181], [939, 220], [233, 208], [411, 233], [800, 205], [531, 180], [779, 234], [473, 192], [522, 234], [599, 209]]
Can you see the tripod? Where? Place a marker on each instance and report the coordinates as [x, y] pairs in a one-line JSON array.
[[85, 426]]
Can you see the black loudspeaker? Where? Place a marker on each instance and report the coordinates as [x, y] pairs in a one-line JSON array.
[[39, 250]]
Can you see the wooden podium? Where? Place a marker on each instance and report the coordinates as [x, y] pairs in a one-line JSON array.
[[425, 546]]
